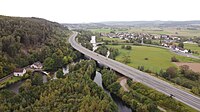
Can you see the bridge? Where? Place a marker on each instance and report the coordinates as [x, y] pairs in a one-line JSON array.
[[139, 76]]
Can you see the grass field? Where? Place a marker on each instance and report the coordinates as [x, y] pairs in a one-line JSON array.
[[193, 47], [113, 39], [158, 58]]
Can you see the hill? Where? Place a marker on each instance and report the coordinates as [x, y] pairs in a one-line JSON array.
[[192, 25], [26, 40]]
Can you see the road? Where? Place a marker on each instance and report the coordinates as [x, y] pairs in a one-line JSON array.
[[6, 77], [142, 77]]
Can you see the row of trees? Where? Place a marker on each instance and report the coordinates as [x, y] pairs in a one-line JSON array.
[[183, 76], [76, 92]]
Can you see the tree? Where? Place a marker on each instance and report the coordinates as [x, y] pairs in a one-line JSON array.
[[49, 64], [126, 59], [142, 108], [196, 90], [189, 74], [181, 45], [37, 79], [25, 86], [67, 60], [174, 59], [58, 58], [183, 69], [171, 72], [59, 73], [114, 87], [128, 47], [102, 50]]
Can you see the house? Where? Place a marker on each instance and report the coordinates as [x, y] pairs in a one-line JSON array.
[[37, 65], [164, 37], [19, 72]]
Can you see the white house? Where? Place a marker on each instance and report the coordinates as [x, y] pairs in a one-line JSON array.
[[37, 65], [185, 51], [19, 72]]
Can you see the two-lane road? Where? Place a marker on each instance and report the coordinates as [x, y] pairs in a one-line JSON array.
[[142, 77]]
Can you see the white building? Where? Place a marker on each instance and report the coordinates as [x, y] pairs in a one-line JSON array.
[[93, 40], [37, 65], [19, 72]]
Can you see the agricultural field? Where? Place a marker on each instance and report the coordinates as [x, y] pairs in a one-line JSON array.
[[101, 30], [193, 47], [157, 58], [193, 66], [184, 32]]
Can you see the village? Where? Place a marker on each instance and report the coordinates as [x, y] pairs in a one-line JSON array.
[[168, 41]]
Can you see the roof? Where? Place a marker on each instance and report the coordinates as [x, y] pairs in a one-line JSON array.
[[38, 64], [19, 70]]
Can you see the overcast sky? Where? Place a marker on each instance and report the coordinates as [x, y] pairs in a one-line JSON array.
[[80, 11]]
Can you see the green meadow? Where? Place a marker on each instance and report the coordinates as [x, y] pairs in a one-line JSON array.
[[193, 47], [158, 58]]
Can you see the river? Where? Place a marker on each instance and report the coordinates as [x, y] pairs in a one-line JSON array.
[[15, 87], [122, 107]]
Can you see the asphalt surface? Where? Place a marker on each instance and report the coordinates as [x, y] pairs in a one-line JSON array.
[[139, 76]]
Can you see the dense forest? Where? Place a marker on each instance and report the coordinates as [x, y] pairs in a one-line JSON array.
[[74, 93], [140, 97], [26, 40]]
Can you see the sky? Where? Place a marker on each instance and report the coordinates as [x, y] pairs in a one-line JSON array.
[[84, 11]]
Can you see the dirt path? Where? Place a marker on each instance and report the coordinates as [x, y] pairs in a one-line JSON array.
[[193, 66], [123, 83]]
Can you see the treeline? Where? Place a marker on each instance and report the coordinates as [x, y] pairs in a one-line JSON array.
[[140, 97], [103, 50], [183, 76], [84, 38], [75, 93], [26, 40]]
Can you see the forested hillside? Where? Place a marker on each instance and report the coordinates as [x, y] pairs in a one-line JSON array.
[[26, 40]]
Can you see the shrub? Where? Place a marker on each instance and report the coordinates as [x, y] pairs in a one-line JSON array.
[[141, 68], [148, 71], [174, 59], [128, 47], [183, 69]]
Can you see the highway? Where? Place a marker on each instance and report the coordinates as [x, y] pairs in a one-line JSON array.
[[139, 76]]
